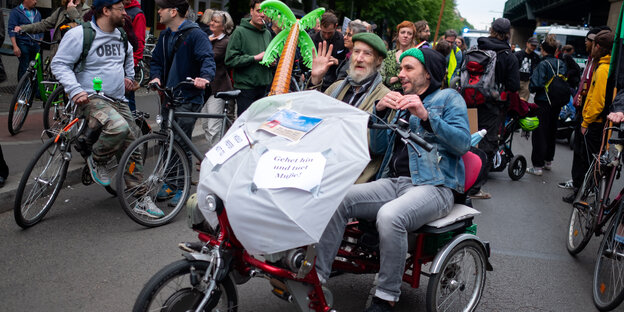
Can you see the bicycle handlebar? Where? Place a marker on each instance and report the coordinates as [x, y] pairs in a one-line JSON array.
[[402, 129], [21, 32]]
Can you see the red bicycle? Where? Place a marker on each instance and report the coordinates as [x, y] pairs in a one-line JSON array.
[[447, 251]]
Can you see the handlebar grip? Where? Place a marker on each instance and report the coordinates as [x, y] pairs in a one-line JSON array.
[[421, 142]]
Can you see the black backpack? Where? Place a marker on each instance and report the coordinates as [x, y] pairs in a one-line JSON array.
[[557, 89]]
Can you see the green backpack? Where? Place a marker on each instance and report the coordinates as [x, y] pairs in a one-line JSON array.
[[88, 37]]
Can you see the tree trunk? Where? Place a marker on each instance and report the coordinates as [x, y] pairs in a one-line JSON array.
[[281, 81]]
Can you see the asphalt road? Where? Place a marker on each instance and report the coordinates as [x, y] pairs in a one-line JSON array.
[[87, 255]]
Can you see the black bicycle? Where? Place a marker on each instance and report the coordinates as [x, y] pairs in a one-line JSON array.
[[166, 165]]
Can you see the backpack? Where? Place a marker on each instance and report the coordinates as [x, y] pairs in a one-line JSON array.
[[87, 41], [477, 77], [557, 89]]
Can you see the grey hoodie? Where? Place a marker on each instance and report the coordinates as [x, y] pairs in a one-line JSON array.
[[105, 60]]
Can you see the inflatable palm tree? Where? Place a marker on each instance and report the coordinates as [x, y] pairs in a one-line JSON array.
[[286, 42]]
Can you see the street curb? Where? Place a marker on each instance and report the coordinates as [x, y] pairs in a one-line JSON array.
[[74, 173]]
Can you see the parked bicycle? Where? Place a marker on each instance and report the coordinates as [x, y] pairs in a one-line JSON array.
[[142, 70], [594, 212], [38, 79], [44, 176], [165, 163]]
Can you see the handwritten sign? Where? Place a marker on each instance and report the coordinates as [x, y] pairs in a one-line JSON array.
[[227, 147], [281, 169]]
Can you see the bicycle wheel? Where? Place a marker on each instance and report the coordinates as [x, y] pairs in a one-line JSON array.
[[178, 287], [139, 73], [40, 184], [159, 168], [55, 111], [145, 66], [459, 284], [608, 286], [21, 102], [583, 217]]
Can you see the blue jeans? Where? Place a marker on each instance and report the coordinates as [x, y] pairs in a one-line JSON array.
[[399, 207], [29, 52]]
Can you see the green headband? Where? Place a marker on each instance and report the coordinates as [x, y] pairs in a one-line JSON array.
[[415, 53]]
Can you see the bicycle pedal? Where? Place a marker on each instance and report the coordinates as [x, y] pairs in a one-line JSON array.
[[86, 178]]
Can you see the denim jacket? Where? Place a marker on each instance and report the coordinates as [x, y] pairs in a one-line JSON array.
[[448, 132]]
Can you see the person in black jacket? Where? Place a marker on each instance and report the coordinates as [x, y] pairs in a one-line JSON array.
[[574, 70], [329, 34], [543, 138], [527, 61], [491, 114]]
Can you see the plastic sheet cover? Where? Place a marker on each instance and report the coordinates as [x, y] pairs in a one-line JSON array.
[[270, 220]]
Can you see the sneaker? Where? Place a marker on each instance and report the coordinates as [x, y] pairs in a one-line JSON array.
[[535, 171], [165, 193], [146, 207], [99, 173], [379, 305], [548, 165], [176, 199], [566, 185], [570, 198]]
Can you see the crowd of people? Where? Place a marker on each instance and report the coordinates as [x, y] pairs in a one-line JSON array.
[[409, 78]]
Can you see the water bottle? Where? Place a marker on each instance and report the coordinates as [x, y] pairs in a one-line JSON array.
[[477, 136]]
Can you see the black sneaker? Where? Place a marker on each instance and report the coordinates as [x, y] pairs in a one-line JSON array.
[[570, 198], [379, 305]]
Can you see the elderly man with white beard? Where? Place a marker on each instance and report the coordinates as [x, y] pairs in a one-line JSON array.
[[363, 86]]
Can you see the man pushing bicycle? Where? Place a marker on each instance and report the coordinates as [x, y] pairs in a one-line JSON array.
[[110, 124]]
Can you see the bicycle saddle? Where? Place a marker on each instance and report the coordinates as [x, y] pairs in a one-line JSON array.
[[228, 95]]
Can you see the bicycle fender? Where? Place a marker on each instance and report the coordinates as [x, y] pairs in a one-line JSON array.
[[436, 264]]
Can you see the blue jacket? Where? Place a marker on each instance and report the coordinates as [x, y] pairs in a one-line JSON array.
[[542, 74], [18, 17], [194, 58], [450, 136]]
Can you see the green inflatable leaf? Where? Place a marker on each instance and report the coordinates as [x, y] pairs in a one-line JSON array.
[[309, 20], [274, 50], [307, 48], [280, 12]]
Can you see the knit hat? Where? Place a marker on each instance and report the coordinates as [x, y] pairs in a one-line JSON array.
[[103, 3], [501, 25], [604, 39], [372, 40], [434, 62]]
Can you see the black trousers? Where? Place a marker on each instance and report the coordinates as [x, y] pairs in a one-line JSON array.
[[4, 169], [585, 146], [543, 138], [248, 96]]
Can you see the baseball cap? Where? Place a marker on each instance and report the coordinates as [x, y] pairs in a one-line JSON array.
[[103, 3], [532, 41], [164, 4], [501, 25]]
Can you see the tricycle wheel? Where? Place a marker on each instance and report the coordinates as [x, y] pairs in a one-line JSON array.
[[517, 167], [458, 285]]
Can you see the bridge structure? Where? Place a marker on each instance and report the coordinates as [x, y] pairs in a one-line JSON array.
[[526, 15]]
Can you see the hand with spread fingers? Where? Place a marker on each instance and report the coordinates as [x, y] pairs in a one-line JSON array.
[[414, 105], [322, 60]]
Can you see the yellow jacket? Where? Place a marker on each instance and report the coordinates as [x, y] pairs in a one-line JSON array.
[[595, 101]]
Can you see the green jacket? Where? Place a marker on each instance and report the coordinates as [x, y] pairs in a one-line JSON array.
[[245, 42], [58, 18]]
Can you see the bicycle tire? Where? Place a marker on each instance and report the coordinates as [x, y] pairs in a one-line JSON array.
[[450, 282], [42, 165], [180, 294], [608, 288], [18, 111], [583, 217], [154, 146], [54, 112], [139, 73]]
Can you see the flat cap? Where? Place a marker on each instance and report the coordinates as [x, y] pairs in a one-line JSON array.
[[605, 39], [372, 40], [171, 3]]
